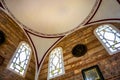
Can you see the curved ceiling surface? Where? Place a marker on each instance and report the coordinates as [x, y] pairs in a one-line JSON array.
[[50, 16]]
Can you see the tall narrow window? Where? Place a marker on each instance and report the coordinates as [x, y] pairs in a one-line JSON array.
[[56, 65], [109, 36], [20, 59]]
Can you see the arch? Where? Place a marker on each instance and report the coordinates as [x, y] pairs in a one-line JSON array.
[[109, 36], [20, 60], [56, 64]]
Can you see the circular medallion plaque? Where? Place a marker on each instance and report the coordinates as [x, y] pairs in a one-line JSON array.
[[79, 50]]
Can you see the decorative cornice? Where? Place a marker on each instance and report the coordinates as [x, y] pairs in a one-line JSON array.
[[99, 3], [102, 20], [35, 51], [93, 11], [59, 34]]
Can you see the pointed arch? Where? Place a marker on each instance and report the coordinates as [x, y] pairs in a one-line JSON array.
[[20, 60], [56, 64], [109, 36]]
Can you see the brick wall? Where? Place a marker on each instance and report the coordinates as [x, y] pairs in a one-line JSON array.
[[96, 54], [14, 35]]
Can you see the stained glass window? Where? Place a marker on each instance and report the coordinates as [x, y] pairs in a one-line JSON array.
[[56, 65], [20, 59], [109, 36]]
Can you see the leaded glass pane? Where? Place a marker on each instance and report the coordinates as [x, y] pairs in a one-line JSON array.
[[109, 37], [20, 59], [56, 66]]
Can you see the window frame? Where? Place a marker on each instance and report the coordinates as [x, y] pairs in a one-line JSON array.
[[8, 66], [62, 64], [97, 36]]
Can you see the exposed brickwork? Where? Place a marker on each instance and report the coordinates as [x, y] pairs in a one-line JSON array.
[[96, 54], [14, 35]]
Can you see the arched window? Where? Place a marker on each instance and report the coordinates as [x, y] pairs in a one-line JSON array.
[[20, 59], [56, 65], [109, 36]]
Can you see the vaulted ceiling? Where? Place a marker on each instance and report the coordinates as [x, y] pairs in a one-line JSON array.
[[47, 22], [50, 16]]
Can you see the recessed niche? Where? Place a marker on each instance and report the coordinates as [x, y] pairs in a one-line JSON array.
[[2, 37]]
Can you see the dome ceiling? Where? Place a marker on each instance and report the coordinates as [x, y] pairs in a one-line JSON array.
[[50, 16]]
